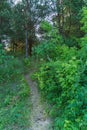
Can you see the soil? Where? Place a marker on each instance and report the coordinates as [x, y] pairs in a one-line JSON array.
[[39, 118]]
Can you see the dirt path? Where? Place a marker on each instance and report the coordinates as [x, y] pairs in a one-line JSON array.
[[39, 119]]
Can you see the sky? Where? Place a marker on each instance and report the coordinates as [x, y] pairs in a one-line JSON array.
[[16, 1]]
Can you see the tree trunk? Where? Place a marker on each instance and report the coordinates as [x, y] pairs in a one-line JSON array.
[[27, 43], [0, 40], [30, 46], [59, 14]]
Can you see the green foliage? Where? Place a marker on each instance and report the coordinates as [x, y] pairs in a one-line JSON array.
[[7, 66], [14, 94], [83, 42], [5, 13], [14, 105], [63, 81], [45, 51], [26, 62], [45, 26], [24, 92], [60, 83], [51, 33], [84, 19], [71, 41], [48, 49]]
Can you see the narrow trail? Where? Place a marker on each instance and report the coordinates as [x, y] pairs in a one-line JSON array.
[[39, 119]]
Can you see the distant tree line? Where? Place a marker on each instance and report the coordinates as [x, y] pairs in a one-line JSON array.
[[19, 21]]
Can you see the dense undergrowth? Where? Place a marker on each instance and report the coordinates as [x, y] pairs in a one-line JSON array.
[[62, 79], [14, 94]]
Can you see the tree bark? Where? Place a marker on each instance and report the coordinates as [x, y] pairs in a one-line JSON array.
[[27, 43], [60, 15]]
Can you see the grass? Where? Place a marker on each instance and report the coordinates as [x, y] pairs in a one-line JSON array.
[[15, 106]]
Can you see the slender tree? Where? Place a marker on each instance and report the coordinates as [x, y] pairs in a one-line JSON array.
[[5, 11], [68, 16]]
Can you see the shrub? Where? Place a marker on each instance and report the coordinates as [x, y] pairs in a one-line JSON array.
[[48, 48], [45, 51], [60, 83], [25, 91], [8, 65], [63, 81]]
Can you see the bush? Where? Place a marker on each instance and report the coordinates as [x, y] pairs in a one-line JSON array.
[[26, 62], [60, 83], [48, 48], [52, 52], [25, 91], [15, 106], [63, 81], [8, 65], [45, 51]]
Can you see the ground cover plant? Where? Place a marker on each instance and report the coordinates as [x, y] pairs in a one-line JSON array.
[[14, 94]]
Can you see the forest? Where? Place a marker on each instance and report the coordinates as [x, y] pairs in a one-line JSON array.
[[43, 64]]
